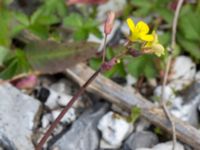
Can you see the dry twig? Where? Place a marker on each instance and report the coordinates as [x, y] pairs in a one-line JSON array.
[[173, 43]]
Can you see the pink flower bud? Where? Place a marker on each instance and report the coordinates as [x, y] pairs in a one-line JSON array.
[[109, 22], [26, 82]]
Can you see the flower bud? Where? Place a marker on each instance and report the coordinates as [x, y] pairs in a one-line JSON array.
[[108, 65], [109, 23]]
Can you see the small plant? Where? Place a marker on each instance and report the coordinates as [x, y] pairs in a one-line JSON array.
[[146, 43]]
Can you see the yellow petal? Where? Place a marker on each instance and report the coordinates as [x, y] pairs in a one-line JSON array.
[[131, 24], [146, 37], [134, 36], [142, 27]]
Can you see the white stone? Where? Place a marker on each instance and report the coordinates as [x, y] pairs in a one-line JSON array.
[[63, 86], [17, 114], [177, 102], [46, 119], [51, 102], [177, 106], [152, 82], [114, 128], [164, 146], [130, 80], [183, 73], [197, 76], [143, 149], [168, 146], [69, 117], [63, 100], [106, 145], [187, 112], [168, 93]]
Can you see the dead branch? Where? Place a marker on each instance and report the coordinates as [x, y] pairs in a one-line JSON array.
[[127, 99]]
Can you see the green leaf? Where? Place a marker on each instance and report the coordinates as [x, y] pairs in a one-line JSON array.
[[189, 26], [10, 70], [135, 114], [96, 32], [15, 65], [3, 53], [143, 65], [5, 31], [52, 9], [166, 14], [191, 47], [164, 38], [39, 30], [80, 35], [95, 63], [53, 57], [22, 22], [90, 23], [74, 21], [117, 70], [149, 70], [109, 53], [81, 26], [22, 18]]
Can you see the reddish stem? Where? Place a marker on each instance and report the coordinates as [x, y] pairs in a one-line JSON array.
[[67, 107]]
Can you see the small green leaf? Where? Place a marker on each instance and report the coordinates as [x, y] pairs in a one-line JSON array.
[[158, 131], [166, 14], [39, 30], [143, 65], [96, 32], [191, 47], [3, 53], [189, 26], [135, 114], [164, 38], [80, 35], [5, 32], [74, 21], [22, 18], [16, 64], [95, 63]]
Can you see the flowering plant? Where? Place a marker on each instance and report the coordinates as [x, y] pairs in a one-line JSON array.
[[140, 33]]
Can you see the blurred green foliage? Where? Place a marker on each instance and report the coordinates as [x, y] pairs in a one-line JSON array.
[[82, 26], [189, 30], [44, 23], [158, 8], [52, 19]]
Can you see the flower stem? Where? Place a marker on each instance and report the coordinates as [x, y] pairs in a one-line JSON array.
[[104, 49], [67, 107]]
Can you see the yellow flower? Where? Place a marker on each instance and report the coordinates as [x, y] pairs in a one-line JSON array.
[[139, 31], [154, 46]]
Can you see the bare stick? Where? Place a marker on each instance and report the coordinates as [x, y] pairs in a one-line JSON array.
[[173, 43], [126, 99]]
